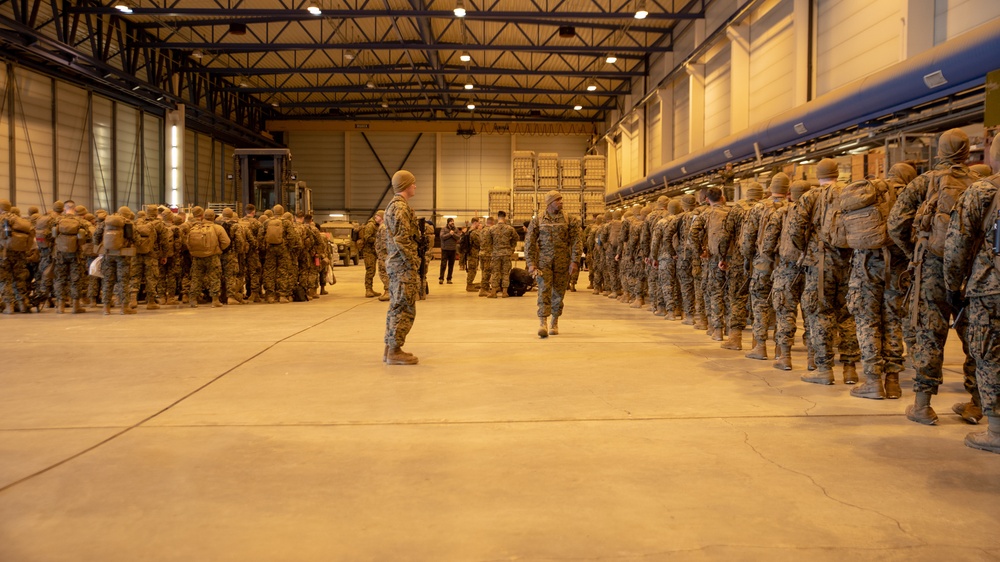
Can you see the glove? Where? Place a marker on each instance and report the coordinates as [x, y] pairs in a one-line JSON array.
[[956, 300]]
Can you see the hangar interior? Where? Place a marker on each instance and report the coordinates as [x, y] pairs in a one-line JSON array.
[[256, 434]]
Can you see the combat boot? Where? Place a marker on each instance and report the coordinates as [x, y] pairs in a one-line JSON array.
[[151, 304], [193, 303], [970, 412], [660, 311], [127, 308], [554, 330], [784, 360], [503, 293], [851, 374], [759, 351], [385, 352], [572, 287], [384, 296], [823, 376], [470, 288], [717, 334], [920, 411], [78, 307], [811, 359], [482, 291], [215, 302], [172, 300], [282, 299], [735, 341], [892, 390], [872, 387], [134, 301], [396, 356], [369, 293], [543, 331], [107, 309], [60, 306], [688, 320], [669, 315], [605, 293], [988, 440], [492, 294], [269, 299], [700, 323]]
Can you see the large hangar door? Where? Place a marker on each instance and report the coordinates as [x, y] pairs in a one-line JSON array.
[[33, 140], [411, 151], [103, 153], [470, 168], [127, 156], [73, 144], [318, 158], [682, 117], [854, 38], [718, 89]]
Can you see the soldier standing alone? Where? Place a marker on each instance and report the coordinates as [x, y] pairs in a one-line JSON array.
[[403, 267], [552, 247]]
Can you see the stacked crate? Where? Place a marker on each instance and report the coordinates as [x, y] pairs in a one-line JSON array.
[[548, 171], [594, 186], [525, 184], [500, 201], [523, 206], [570, 174]]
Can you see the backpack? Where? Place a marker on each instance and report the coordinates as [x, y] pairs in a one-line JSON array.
[[114, 234], [145, 238], [864, 207], [227, 227], [786, 248], [275, 232], [66, 239], [170, 236], [250, 234], [202, 240], [934, 214], [715, 222], [465, 245], [833, 230], [43, 230]]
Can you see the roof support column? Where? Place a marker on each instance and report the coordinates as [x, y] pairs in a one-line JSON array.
[[739, 77]]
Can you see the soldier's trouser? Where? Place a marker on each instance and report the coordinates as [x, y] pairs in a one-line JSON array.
[[146, 268], [715, 304], [553, 280], [278, 271], [667, 284], [575, 276], [117, 278], [787, 284], [597, 271], [404, 290], [760, 298], [984, 344], [14, 278], [170, 274], [383, 275], [206, 273], [653, 285], [67, 274], [94, 289], [614, 279], [880, 334], [737, 294], [43, 286], [231, 273], [370, 258], [829, 320], [253, 273], [686, 276], [500, 276], [471, 267], [931, 331]]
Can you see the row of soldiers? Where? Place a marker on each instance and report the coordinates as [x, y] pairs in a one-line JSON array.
[[72, 258], [878, 267]]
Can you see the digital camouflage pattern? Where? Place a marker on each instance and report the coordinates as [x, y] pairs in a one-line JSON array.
[[403, 267], [553, 241]]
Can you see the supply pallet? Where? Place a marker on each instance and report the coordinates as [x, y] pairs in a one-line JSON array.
[[523, 207], [499, 199]]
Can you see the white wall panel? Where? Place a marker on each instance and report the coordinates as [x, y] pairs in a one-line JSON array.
[[654, 134], [717, 93], [567, 146], [102, 154], [682, 116], [369, 182], [73, 144], [772, 60], [127, 156], [318, 157], [717, 12], [33, 140], [954, 17], [854, 39], [470, 168], [152, 160], [684, 41]]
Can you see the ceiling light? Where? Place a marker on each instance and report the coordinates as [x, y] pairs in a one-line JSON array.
[[385, 104], [349, 55], [465, 56], [640, 10], [468, 84], [611, 59], [592, 86], [123, 7], [460, 9], [197, 54], [370, 85], [577, 107], [274, 104], [471, 106], [314, 9]]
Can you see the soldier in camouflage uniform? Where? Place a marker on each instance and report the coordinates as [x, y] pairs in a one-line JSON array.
[[66, 238], [206, 265], [170, 263], [503, 240], [43, 229], [150, 237], [629, 257], [382, 253], [689, 267], [610, 240], [707, 232], [403, 266], [595, 255], [116, 267], [761, 262], [974, 225], [824, 298], [94, 283], [368, 254], [13, 259], [472, 257], [279, 271], [233, 255], [86, 252], [645, 252], [663, 256], [485, 253], [552, 247], [918, 207], [737, 267], [251, 267]]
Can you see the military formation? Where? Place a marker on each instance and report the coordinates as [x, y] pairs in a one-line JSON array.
[[72, 259], [880, 269]]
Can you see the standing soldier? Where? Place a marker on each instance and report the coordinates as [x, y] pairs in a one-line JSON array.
[[552, 248], [277, 236], [472, 254], [975, 223], [382, 253], [250, 268], [43, 238], [149, 252], [206, 241], [70, 234], [707, 230], [761, 262], [918, 223], [233, 255], [368, 253], [689, 267], [16, 235], [737, 267], [595, 254], [170, 264], [503, 240], [116, 237], [663, 257], [403, 266], [645, 243], [610, 241], [485, 253]]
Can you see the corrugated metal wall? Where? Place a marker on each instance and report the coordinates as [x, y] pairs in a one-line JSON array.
[[127, 156], [717, 94], [772, 60], [565, 146], [854, 38], [33, 140], [318, 158], [954, 17], [470, 167], [103, 152], [73, 144], [368, 181], [682, 117], [654, 134]]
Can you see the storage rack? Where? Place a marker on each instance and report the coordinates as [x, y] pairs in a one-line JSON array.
[[594, 185], [525, 185], [499, 199]]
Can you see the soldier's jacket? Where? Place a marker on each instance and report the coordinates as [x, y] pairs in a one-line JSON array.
[[754, 224], [368, 232], [589, 234], [615, 236], [503, 240], [553, 240], [691, 248], [475, 243], [700, 225], [662, 245], [171, 238], [380, 248], [238, 237], [82, 226], [251, 227], [289, 234], [900, 221], [965, 232], [631, 236], [772, 229], [306, 241], [160, 249], [319, 246], [805, 223], [98, 238], [485, 248], [646, 235], [729, 245], [220, 235], [402, 235]]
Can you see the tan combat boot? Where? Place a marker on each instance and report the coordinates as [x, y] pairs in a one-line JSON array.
[[784, 360], [215, 302], [543, 330], [988, 440], [554, 330], [716, 334], [384, 297], [482, 291], [60, 306], [107, 308], [872, 387], [127, 308], [823, 376], [970, 412], [851, 374], [503, 293], [811, 359], [78, 307], [892, 389], [735, 341], [492, 294], [151, 304], [396, 356], [759, 351], [369, 293], [920, 411], [660, 311]]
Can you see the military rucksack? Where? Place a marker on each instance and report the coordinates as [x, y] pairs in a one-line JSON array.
[[145, 238], [68, 228], [16, 233], [114, 233], [715, 223], [931, 220], [864, 206], [43, 230], [833, 231], [274, 232], [786, 248], [202, 240], [169, 239], [250, 232]]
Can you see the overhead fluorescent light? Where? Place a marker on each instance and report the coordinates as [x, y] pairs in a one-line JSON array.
[[123, 7], [471, 106], [314, 9], [611, 59], [465, 56], [592, 86], [577, 107], [460, 9]]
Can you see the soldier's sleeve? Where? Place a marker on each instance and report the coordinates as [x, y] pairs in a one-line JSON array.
[[697, 231], [576, 243], [900, 221], [224, 240], [645, 238], [751, 224], [730, 229], [965, 232], [531, 244], [800, 221], [771, 234], [656, 240]]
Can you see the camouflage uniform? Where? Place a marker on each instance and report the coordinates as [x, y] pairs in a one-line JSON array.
[[68, 270], [472, 258], [973, 223], [738, 289], [485, 253], [146, 266], [611, 240], [251, 266], [503, 240], [787, 281], [170, 270], [382, 253], [233, 255], [403, 266], [116, 267], [663, 254], [689, 271], [712, 218], [551, 244], [46, 253], [646, 258], [762, 264], [278, 271], [369, 254], [206, 271]]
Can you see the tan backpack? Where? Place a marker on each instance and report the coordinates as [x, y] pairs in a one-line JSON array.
[[275, 232], [43, 231], [145, 238], [865, 207], [715, 222], [202, 240], [114, 234], [66, 240], [931, 221], [833, 231], [786, 248]]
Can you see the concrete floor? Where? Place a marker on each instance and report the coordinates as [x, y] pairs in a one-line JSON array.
[[274, 432]]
